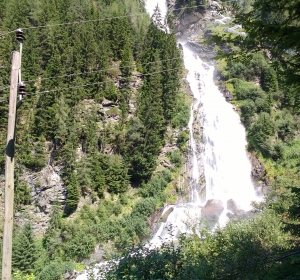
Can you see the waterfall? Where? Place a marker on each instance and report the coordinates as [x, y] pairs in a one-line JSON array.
[[219, 155], [221, 159]]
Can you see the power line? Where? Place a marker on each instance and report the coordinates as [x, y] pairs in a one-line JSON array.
[[102, 19], [80, 21], [97, 83], [97, 71], [6, 33]]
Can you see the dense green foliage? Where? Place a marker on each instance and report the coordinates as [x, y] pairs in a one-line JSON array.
[[265, 88], [261, 72], [78, 57], [256, 249], [99, 60]]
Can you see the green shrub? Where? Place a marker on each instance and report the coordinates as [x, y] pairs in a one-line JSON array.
[[166, 175], [183, 137], [180, 118], [113, 112], [80, 245], [248, 109], [144, 207], [136, 226], [110, 91], [155, 186], [117, 210], [175, 158], [55, 270], [123, 199], [245, 90]]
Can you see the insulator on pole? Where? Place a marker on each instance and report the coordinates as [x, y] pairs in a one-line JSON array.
[[20, 35], [22, 88]]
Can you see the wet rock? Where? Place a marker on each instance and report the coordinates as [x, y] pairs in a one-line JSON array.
[[165, 216], [212, 210], [222, 88], [258, 171], [233, 206], [215, 4]]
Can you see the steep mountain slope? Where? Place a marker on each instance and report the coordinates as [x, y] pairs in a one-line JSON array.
[[102, 100]]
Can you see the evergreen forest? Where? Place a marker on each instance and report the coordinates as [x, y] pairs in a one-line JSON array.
[[257, 68], [102, 98], [104, 94]]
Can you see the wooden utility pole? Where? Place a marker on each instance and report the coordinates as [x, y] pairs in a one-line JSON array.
[[9, 170]]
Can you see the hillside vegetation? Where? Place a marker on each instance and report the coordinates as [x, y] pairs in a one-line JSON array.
[[117, 163], [103, 84], [260, 75]]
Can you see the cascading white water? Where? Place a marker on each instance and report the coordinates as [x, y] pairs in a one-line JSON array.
[[227, 168], [226, 165]]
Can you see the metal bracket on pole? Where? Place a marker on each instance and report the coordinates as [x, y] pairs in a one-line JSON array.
[[20, 79], [20, 38]]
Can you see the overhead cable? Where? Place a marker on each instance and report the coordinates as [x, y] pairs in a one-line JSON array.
[[101, 70], [99, 19], [97, 83]]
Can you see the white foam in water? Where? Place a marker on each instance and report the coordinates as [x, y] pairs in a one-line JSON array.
[[226, 164]]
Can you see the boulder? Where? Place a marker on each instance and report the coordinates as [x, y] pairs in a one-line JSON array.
[[258, 169], [233, 206], [236, 211], [212, 210]]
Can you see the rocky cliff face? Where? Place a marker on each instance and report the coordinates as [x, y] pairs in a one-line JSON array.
[[47, 186], [47, 189], [191, 27]]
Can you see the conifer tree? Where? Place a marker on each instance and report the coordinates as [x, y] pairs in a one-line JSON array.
[[73, 193], [116, 175], [24, 254], [99, 165], [269, 80], [61, 121], [126, 64]]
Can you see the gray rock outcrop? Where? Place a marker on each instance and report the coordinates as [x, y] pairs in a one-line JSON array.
[[212, 210], [47, 189]]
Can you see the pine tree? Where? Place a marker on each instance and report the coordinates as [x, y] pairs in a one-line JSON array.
[[73, 193], [99, 165], [116, 175], [24, 254], [126, 64], [61, 121], [157, 19], [269, 80], [171, 67]]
